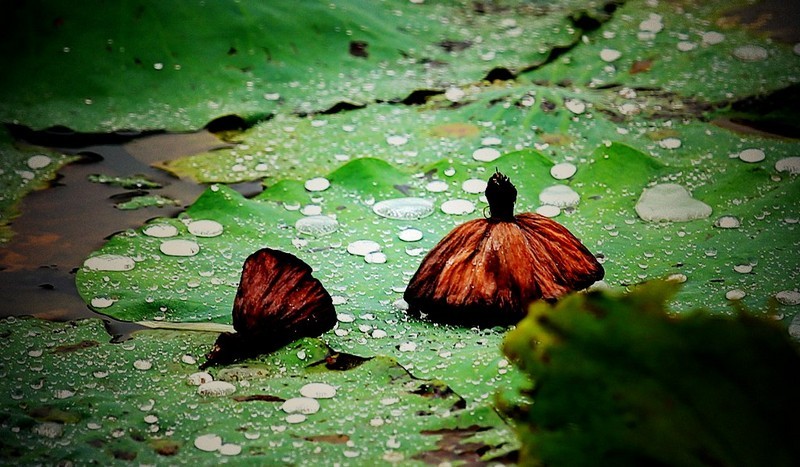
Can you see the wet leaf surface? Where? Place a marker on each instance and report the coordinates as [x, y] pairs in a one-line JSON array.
[[132, 401]]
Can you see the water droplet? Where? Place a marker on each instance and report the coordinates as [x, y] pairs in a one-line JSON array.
[[303, 405], [318, 391], [38, 161], [454, 94], [201, 377], [375, 258], [548, 210], [363, 247], [230, 449], [712, 37], [295, 418], [474, 185], [575, 106], [109, 263], [563, 171], [678, 277], [436, 186], [216, 389], [788, 297], [311, 210], [143, 365], [63, 394], [188, 359], [410, 235], [208, 443], [205, 228], [396, 140], [788, 164], [652, 24], [407, 347], [272, 96], [735, 294], [150, 419], [316, 225], [458, 207], [743, 268], [670, 143], [752, 155], [670, 202], [485, 154], [559, 195], [728, 222], [179, 248], [102, 302], [686, 46], [317, 184], [491, 141], [610, 55], [345, 318], [750, 53], [403, 208], [160, 230], [49, 429]]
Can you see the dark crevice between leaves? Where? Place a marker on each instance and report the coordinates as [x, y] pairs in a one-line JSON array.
[[452, 446], [773, 114], [64, 137]]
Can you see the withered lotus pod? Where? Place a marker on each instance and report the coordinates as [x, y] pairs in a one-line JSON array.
[[486, 272], [278, 302]]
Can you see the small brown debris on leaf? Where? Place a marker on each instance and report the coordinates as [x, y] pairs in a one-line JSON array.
[[641, 66], [486, 272], [359, 49], [278, 302]]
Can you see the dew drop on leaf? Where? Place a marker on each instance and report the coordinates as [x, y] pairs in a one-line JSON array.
[[208, 443], [559, 195], [363, 247], [670, 143], [109, 263], [728, 222], [230, 449], [610, 55], [436, 186], [101, 302], [563, 170], [38, 161], [752, 155], [375, 258], [485, 154], [575, 106], [458, 207], [216, 389], [403, 208], [735, 294], [295, 418], [474, 186], [410, 235], [317, 184], [316, 225], [205, 228], [750, 53], [788, 297], [788, 164], [396, 140], [318, 391], [302, 405], [548, 210], [160, 230], [179, 248]]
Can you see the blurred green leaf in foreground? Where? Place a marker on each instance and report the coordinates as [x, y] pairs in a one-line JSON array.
[[619, 381]]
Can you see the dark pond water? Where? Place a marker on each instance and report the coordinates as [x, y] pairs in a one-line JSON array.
[[60, 226]]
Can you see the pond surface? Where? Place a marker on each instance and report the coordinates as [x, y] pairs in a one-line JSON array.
[[61, 225]]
